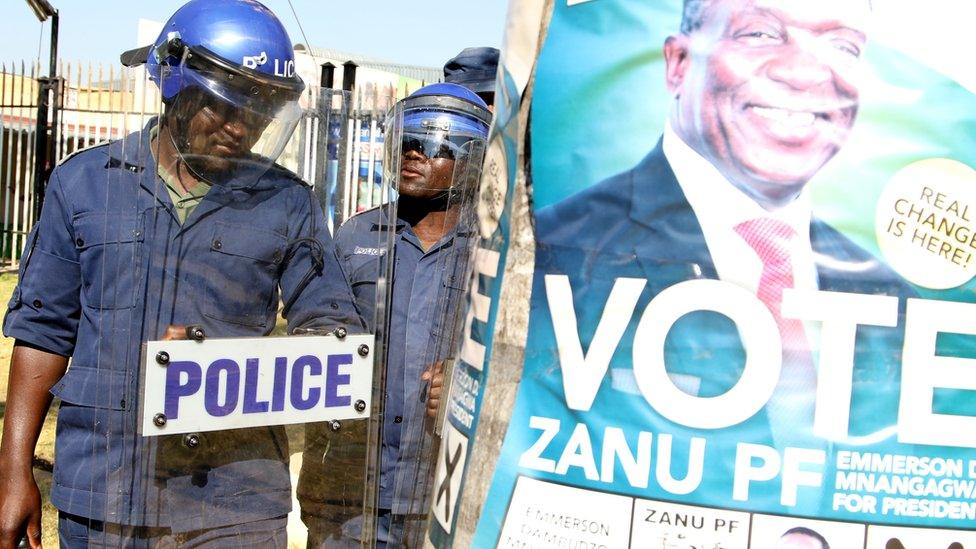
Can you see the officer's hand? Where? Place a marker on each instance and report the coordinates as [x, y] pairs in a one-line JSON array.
[[20, 510], [434, 374], [174, 332]]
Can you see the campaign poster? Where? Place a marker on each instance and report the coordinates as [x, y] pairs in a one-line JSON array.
[[752, 310], [452, 524]]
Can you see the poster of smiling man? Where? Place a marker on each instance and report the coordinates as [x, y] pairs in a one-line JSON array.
[[751, 308]]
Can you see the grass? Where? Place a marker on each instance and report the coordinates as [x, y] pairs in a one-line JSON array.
[[45, 445]]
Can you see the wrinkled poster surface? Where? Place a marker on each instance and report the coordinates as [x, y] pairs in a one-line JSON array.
[[751, 319]]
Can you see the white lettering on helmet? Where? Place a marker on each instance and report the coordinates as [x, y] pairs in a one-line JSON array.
[[284, 69], [255, 61]]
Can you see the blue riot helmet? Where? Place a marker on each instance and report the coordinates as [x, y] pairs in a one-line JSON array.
[[230, 66], [437, 122]]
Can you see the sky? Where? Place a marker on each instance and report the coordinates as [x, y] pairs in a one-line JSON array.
[[415, 32]]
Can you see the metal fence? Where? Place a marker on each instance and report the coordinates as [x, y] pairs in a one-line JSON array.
[[337, 147], [18, 95]]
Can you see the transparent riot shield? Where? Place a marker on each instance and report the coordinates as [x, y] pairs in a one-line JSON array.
[[214, 336], [432, 361], [337, 488], [435, 148]]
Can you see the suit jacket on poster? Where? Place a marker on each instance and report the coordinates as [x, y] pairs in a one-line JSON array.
[[639, 224]]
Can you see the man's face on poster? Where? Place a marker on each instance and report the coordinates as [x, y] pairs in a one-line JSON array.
[[766, 89]]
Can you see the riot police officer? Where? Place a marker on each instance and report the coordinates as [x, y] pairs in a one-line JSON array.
[[434, 149], [188, 221]]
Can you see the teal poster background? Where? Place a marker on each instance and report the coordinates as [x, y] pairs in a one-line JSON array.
[[600, 104], [572, 476]]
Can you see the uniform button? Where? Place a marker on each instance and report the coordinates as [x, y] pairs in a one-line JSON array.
[[37, 304], [137, 234], [398, 419], [122, 403], [334, 305], [80, 242], [217, 244]]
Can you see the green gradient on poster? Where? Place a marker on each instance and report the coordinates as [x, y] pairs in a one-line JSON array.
[[600, 104]]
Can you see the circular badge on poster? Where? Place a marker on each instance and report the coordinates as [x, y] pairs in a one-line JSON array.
[[494, 188], [925, 223]]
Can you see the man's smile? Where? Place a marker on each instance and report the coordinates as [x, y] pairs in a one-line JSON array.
[[792, 122]]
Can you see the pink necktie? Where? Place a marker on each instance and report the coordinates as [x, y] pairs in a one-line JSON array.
[[791, 408]]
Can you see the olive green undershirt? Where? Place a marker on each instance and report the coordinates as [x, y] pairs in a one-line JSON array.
[[183, 204]]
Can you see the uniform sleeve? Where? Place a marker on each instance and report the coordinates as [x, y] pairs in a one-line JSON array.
[[45, 307], [326, 300], [343, 244], [363, 257]]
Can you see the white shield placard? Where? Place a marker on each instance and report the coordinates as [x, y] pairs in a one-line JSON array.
[[215, 384]]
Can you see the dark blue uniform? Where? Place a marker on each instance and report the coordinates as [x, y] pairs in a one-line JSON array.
[[425, 301], [109, 266], [426, 289]]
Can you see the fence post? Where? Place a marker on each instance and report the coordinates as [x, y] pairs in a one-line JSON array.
[[57, 82], [41, 144], [46, 134]]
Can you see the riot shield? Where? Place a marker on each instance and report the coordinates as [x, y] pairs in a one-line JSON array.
[[337, 487], [434, 360], [211, 326], [435, 148]]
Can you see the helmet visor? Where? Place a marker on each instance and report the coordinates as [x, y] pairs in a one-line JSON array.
[[227, 128], [424, 133], [437, 144], [239, 85]]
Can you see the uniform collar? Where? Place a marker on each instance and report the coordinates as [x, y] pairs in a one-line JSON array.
[[133, 153], [386, 219]]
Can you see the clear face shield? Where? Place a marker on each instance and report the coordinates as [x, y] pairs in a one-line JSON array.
[[435, 160], [218, 336], [228, 124], [430, 143]]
